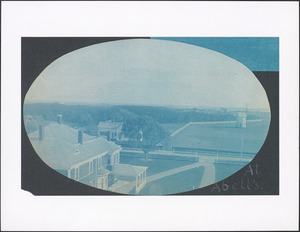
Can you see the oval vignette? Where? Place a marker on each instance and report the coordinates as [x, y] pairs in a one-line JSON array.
[[147, 117]]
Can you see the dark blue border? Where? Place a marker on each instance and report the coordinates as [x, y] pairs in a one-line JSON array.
[[257, 53]]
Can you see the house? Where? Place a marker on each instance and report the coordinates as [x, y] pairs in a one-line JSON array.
[[94, 161], [111, 130], [241, 120], [76, 155], [135, 176]]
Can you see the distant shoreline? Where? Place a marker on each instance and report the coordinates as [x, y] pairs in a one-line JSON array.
[[229, 109]]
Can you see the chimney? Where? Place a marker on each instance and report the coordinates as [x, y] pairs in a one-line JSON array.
[[80, 137], [59, 117], [41, 133]]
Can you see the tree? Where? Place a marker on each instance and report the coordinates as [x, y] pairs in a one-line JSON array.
[[145, 131], [32, 122]]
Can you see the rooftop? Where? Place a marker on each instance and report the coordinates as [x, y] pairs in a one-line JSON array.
[[128, 170], [109, 125], [60, 148]]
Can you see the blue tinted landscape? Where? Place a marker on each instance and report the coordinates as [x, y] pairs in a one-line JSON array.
[[175, 154], [147, 117]]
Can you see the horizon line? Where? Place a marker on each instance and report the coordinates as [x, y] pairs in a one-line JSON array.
[[149, 105]]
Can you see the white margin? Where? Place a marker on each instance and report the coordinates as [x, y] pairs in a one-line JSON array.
[[22, 211]]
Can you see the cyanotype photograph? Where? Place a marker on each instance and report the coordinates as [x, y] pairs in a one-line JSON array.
[[152, 116], [149, 116]]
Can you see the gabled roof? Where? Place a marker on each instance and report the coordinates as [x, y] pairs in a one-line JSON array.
[[108, 125], [60, 148], [61, 131], [128, 170]]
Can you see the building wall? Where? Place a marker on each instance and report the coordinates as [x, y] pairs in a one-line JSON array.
[[140, 181], [87, 173], [113, 159], [109, 134]]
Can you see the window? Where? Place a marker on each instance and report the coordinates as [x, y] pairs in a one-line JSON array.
[[72, 173], [90, 167], [99, 163], [108, 160], [104, 160], [77, 152], [84, 169], [100, 182], [112, 159], [76, 174]]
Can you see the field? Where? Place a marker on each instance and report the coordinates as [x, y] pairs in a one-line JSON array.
[[223, 136], [172, 127]]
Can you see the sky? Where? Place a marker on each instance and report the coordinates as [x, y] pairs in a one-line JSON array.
[[148, 72]]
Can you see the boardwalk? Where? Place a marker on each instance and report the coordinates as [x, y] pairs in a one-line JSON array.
[[173, 171], [209, 175]]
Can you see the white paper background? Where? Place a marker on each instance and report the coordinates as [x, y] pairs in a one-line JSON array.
[[21, 210]]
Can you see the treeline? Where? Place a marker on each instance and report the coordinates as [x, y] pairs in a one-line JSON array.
[[88, 116]]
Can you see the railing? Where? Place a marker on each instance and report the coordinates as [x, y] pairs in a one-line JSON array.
[[211, 152], [192, 154]]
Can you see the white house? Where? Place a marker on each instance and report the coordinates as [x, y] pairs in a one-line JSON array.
[[135, 176], [111, 130], [94, 161]]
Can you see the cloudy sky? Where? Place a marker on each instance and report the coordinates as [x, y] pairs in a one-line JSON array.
[[148, 72]]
